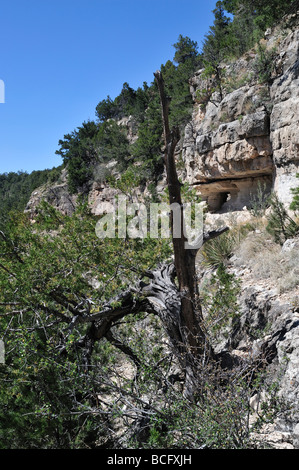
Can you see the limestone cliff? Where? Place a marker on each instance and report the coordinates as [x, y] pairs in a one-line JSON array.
[[250, 133]]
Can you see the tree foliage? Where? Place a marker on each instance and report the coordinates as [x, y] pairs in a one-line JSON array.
[[129, 102], [16, 188], [185, 50], [61, 391], [280, 224], [88, 145], [295, 202], [237, 25], [47, 278], [231, 36], [216, 46]]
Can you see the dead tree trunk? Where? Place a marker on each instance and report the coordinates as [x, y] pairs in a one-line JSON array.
[[191, 321], [184, 259], [176, 304]]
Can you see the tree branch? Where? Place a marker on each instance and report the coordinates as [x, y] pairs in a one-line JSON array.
[[207, 236], [123, 347]]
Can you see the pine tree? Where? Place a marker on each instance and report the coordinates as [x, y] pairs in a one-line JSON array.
[[280, 225], [295, 203]]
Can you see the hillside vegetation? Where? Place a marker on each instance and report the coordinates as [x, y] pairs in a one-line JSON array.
[[16, 188]]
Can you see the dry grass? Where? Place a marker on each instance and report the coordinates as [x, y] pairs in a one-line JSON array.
[[220, 249], [267, 260]]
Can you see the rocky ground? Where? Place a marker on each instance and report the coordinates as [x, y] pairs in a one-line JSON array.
[[269, 323]]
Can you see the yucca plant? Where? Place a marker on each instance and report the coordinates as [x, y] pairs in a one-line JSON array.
[[218, 251]]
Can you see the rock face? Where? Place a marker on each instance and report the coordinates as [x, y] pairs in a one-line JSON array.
[[262, 311], [268, 330], [248, 136], [56, 194], [285, 119]]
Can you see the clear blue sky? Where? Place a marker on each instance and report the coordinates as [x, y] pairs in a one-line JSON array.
[[59, 58]]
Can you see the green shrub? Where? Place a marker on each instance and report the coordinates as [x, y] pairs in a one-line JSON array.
[[260, 200], [295, 202], [280, 225], [220, 249], [220, 419], [264, 64], [220, 300]]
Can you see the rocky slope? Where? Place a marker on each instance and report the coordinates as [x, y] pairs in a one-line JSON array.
[[250, 138], [268, 328]]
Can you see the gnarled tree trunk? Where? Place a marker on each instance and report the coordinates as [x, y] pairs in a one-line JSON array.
[[176, 304], [191, 320]]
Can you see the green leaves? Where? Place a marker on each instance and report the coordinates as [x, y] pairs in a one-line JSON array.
[[16, 188], [106, 109], [295, 202], [78, 153], [128, 103], [280, 225], [264, 63], [185, 50], [220, 299], [52, 273], [111, 142], [53, 266], [97, 143], [147, 150], [89, 145]]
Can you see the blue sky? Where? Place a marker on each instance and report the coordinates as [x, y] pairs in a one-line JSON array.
[[59, 58]]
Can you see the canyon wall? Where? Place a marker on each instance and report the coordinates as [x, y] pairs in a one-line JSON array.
[[247, 136]]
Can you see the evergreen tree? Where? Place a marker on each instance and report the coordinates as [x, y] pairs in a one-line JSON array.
[[147, 147], [125, 101], [185, 50], [79, 153], [216, 46], [16, 188], [295, 202], [106, 109]]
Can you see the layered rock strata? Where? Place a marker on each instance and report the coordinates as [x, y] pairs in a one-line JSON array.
[[249, 137]]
